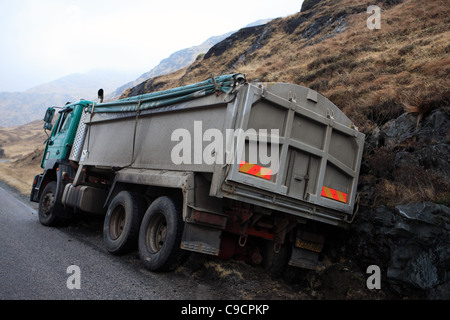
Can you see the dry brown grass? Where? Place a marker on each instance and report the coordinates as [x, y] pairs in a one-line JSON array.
[[23, 147], [19, 178], [20, 141], [410, 184]]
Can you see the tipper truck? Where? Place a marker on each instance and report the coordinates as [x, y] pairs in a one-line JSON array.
[[223, 167]]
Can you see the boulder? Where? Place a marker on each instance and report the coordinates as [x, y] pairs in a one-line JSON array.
[[425, 145]]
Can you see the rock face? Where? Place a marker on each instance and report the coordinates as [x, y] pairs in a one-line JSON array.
[[409, 240], [410, 243], [425, 145], [406, 161]]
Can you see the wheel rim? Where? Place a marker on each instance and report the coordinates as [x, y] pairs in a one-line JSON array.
[[117, 222], [47, 204], [156, 233]]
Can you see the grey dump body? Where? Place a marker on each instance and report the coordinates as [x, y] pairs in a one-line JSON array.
[[317, 148]]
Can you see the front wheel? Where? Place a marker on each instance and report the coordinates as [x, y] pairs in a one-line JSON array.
[[160, 235], [47, 215]]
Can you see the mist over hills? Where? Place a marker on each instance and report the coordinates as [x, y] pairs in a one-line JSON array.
[[84, 85], [19, 108]]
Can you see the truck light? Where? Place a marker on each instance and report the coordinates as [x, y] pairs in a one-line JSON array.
[[35, 181]]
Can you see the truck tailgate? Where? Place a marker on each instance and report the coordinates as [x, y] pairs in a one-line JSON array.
[[319, 152]]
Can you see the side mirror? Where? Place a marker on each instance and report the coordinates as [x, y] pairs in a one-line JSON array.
[[48, 118]]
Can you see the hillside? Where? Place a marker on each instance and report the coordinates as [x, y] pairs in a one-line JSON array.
[[21, 150]]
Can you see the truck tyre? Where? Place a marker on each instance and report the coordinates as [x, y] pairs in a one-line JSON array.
[[47, 215], [122, 220], [160, 235], [275, 262]]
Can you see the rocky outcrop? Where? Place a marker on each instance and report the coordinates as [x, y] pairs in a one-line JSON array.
[[308, 4], [409, 240], [406, 161], [239, 36], [423, 144], [411, 245]]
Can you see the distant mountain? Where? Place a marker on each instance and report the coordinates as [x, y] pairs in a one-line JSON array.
[[18, 108], [175, 61], [178, 60], [84, 85]]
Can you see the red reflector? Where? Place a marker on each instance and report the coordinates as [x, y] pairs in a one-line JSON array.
[[255, 170], [334, 194]]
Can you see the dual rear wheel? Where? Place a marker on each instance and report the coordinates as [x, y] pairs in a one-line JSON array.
[[155, 230]]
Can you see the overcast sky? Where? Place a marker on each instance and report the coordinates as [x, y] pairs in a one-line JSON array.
[[42, 40]]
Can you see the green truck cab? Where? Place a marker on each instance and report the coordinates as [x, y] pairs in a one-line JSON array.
[[55, 160], [60, 141]]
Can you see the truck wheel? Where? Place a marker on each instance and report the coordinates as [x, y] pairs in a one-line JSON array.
[[275, 262], [47, 215], [160, 236], [122, 220]]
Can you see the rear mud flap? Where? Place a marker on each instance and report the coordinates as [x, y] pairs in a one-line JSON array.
[[201, 239]]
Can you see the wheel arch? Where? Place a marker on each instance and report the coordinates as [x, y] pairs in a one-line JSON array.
[[48, 176]]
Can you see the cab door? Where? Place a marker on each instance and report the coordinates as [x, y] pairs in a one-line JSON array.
[[59, 144]]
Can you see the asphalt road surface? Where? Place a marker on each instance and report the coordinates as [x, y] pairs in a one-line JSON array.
[[37, 263], [34, 262]]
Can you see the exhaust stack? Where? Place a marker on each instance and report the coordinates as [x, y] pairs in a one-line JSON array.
[[100, 95]]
